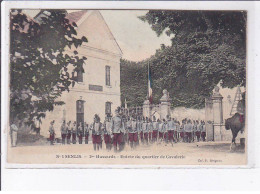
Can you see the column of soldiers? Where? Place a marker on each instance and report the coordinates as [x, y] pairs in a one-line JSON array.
[[121, 130]]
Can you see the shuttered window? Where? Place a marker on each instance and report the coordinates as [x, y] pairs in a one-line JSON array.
[[108, 108], [79, 76], [108, 75]]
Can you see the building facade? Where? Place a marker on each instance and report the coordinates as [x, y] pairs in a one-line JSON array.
[[97, 90]]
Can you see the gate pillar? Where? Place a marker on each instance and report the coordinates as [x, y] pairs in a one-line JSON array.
[[217, 114]]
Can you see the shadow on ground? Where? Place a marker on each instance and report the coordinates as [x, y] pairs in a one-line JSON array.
[[221, 147], [26, 138]]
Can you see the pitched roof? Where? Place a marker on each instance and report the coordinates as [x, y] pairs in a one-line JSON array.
[[76, 16]]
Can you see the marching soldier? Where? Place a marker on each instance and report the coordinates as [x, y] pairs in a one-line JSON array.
[[13, 133], [128, 127], [165, 132], [175, 133], [74, 132], [80, 132], [145, 129], [155, 129], [150, 130], [194, 128], [140, 128], [123, 130], [96, 133], [133, 133], [108, 132], [63, 132], [117, 131], [182, 131], [52, 132], [68, 129], [178, 129], [170, 130], [197, 130], [161, 130], [188, 131], [86, 132], [203, 130]]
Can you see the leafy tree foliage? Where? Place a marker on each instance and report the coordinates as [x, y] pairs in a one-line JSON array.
[[39, 64], [208, 47], [133, 84]]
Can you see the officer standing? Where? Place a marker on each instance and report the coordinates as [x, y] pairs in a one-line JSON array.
[[13, 133], [116, 130]]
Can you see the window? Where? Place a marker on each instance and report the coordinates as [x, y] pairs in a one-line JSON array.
[[80, 106], [108, 108], [107, 75], [79, 76]]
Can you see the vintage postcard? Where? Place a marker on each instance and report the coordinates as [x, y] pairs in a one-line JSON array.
[[145, 87]]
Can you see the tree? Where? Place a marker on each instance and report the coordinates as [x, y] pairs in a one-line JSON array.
[[133, 82], [208, 47], [39, 64]]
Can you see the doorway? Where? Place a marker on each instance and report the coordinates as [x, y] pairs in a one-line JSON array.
[[80, 112]]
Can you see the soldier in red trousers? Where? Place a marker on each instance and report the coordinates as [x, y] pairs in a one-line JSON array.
[[80, 132], [96, 133], [145, 129], [203, 130], [155, 130], [68, 129], [197, 130], [170, 129], [117, 131], [107, 130], [86, 132], [133, 134], [74, 132]]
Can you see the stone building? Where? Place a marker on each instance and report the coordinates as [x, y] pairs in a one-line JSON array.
[[97, 90]]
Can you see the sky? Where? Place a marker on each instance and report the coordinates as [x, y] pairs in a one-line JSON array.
[[136, 38]]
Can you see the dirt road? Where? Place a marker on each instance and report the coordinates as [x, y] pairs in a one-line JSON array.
[[199, 153]]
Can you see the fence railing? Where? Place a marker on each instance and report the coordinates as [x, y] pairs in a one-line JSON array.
[[138, 111]]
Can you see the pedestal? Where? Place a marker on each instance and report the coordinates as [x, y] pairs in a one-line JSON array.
[[165, 105]]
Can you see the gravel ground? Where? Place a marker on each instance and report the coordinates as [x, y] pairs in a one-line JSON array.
[[196, 153]]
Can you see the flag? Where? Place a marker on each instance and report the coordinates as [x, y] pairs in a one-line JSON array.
[[150, 91]]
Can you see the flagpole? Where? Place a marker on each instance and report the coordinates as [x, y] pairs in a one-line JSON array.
[[148, 82]]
